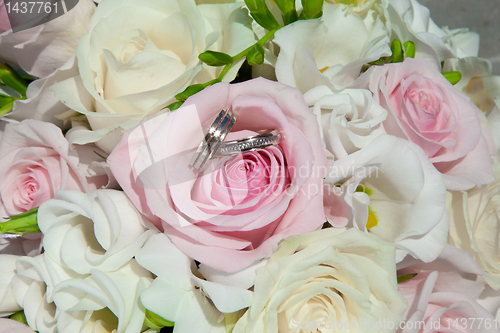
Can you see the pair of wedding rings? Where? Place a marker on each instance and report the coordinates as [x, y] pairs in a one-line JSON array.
[[213, 144]]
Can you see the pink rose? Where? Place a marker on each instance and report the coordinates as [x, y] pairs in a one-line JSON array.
[[238, 210], [443, 295], [426, 109], [36, 160]]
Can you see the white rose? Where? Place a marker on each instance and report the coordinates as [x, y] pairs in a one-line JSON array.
[[391, 190], [194, 304], [43, 49], [327, 277], [475, 227], [103, 301], [139, 54], [33, 287], [331, 50], [349, 120], [84, 231], [8, 304]]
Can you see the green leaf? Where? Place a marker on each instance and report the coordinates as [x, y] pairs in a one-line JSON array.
[[311, 9], [261, 14], [10, 78], [397, 51], [6, 104], [406, 277], [409, 49], [22, 223], [213, 58], [20, 317], [454, 77], [255, 55], [288, 12], [174, 106], [189, 91], [152, 320]]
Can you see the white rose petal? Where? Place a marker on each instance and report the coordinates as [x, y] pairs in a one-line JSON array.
[[106, 301], [401, 190], [349, 120], [327, 277], [475, 227], [43, 49], [187, 305], [33, 287], [100, 229], [8, 304], [331, 50]]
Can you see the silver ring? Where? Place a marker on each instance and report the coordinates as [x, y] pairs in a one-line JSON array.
[[264, 139], [213, 139]]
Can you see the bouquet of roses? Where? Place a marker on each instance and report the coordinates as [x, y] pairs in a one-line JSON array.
[[246, 166]]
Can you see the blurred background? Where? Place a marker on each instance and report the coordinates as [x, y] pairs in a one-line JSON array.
[[481, 16]]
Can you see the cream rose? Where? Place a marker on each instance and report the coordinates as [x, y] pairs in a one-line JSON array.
[[325, 278], [139, 54], [475, 227]]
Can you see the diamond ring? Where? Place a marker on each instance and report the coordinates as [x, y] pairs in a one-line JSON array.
[[260, 141]]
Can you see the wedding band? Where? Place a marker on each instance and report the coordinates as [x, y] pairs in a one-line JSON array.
[[213, 139], [260, 141]]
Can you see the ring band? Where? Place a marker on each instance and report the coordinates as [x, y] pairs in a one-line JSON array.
[[260, 141], [213, 139]]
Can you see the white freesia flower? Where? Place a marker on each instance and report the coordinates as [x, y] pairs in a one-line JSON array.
[[44, 48], [194, 304], [331, 50], [349, 120], [100, 229], [391, 190], [411, 21], [139, 54], [103, 301], [327, 277], [8, 304], [475, 227], [33, 287]]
